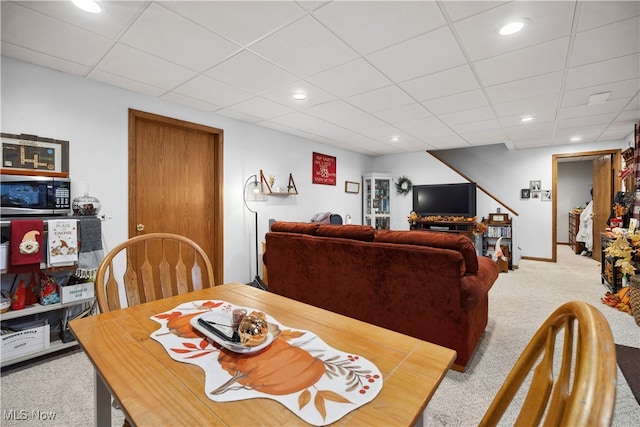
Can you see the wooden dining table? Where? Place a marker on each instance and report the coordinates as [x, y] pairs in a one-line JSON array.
[[155, 390]]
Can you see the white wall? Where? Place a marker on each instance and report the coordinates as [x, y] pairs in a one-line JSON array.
[[93, 117], [575, 180]]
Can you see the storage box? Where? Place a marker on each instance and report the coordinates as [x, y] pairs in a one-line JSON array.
[[81, 291], [25, 342]]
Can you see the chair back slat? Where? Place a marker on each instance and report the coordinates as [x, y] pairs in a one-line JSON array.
[[155, 266], [196, 276], [164, 270], [181, 274], [583, 393], [131, 283]]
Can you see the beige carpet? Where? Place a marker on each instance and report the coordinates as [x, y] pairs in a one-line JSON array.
[[519, 302]]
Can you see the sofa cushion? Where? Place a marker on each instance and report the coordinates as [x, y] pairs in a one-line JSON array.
[[435, 239], [362, 233], [295, 227]]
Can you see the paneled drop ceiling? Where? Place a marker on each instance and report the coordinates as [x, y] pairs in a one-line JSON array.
[[432, 74]]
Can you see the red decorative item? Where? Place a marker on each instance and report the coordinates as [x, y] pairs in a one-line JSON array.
[[32, 291], [324, 169], [19, 297]]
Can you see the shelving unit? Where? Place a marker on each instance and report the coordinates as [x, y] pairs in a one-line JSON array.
[[459, 227], [495, 231], [34, 311], [376, 206], [50, 314], [574, 226], [291, 187]]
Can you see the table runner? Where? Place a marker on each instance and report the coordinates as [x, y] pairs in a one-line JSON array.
[[316, 382]]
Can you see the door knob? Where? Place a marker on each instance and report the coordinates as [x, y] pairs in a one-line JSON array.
[[140, 227]]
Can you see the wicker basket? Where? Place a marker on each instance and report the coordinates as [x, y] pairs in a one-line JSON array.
[[634, 297]]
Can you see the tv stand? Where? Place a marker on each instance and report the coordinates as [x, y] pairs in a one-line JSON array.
[[464, 226]]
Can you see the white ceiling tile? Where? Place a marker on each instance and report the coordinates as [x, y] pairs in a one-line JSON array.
[[540, 117], [467, 116], [404, 113], [310, 48], [528, 62], [162, 33], [243, 22], [55, 38], [597, 13], [444, 83], [380, 99], [350, 79], [478, 126], [142, 67], [486, 136], [190, 102], [283, 95], [578, 122], [611, 41], [250, 72], [458, 102], [625, 68], [526, 88], [111, 22], [123, 82], [422, 55], [531, 143], [531, 131], [43, 59], [338, 112], [546, 21], [212, 91], [528, 106], [262, 108], [458, 10], [423, 128], [370, 26], [449, 141], [227, 112], [618, 90], [588, 133], [585, 110]]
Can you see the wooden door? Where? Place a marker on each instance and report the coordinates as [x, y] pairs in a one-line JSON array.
[[175, 181], [602, 198]]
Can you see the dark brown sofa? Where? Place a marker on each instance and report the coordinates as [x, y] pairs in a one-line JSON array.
[[430, 285]]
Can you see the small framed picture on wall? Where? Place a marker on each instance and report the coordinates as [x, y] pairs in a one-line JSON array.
[[525, 193]]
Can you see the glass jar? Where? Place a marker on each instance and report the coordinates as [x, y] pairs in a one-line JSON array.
[[86, 205]]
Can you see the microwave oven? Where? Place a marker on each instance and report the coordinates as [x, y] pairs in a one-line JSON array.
[[34, 195]]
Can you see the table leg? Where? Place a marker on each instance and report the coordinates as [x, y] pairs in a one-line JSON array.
[[102, 402]]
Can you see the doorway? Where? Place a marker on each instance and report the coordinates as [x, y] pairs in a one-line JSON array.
[[175, 182], [604, 165]]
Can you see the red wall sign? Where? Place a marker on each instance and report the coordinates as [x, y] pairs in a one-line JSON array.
[[324, 169]]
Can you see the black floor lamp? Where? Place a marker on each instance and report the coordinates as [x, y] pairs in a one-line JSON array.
[[252, 192]]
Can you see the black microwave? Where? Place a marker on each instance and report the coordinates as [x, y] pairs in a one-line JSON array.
[[34, 195]]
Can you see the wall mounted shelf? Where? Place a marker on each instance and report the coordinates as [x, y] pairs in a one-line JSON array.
[[266, 188]]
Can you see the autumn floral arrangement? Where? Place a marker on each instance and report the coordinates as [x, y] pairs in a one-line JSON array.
[[623, 248], [620, 210]]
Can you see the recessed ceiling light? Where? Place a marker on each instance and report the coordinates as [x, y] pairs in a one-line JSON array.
[[512, 27], [527, 119], [90, 6], [299, 96], [395, 138], [575, 138]]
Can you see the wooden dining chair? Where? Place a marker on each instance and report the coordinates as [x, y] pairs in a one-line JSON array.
[[583, 391], [156, 265]]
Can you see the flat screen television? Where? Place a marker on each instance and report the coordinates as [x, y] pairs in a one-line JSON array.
[[445, 199]]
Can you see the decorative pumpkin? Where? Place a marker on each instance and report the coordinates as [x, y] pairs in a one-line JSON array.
[[279, 369]]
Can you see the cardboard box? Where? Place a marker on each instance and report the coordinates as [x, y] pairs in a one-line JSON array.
[[81, 291], [25, 342]]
